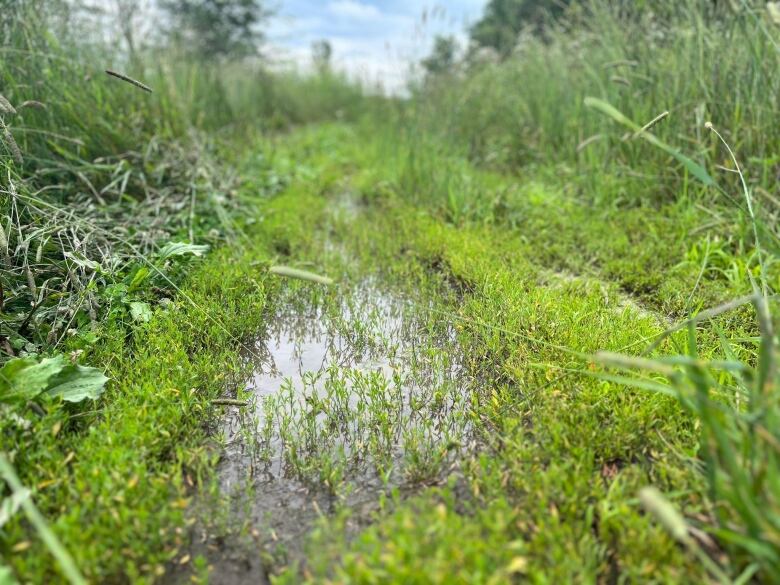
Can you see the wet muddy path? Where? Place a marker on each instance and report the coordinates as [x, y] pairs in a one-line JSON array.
[[354, 396]]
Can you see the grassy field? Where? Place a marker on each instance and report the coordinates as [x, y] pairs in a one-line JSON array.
[[584, 232]]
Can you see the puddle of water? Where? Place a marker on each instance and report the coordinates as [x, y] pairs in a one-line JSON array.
[[347, 403]]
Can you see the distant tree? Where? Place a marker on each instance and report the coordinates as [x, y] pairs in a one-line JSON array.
[[321, 54], [443, 56], [503, 20], [127, 13], [218, 28]]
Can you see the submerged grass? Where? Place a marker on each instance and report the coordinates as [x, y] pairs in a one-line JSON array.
[[357, 394], [389, 398]]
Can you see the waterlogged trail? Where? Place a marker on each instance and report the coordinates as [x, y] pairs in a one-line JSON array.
[[527, 344], [435, 417]]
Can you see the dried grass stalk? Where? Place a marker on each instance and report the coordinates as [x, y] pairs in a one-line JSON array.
[[4, 244], [129, 80]]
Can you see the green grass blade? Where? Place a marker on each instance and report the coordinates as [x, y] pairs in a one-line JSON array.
[[287, 272], [693, 167], [51, 541]]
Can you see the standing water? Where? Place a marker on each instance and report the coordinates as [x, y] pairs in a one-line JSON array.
[[348, 401]]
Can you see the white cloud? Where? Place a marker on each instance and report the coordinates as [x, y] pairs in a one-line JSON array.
[[375, 41], [353, 9]]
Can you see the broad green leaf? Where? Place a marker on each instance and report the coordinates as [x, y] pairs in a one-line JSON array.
[[694, 168], [10, 505], [25, 378], [76, 383], [182, 249], [288, 272], [140, 312]]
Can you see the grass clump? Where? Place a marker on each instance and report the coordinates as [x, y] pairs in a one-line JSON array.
[[692, 56], [130, 462], [736, 402], [99, 175]]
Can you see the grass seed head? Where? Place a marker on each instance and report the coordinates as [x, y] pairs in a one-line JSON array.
[[34, 104], [5, 106], [11, 142], [31, 281], [663, 511], [129, 80]]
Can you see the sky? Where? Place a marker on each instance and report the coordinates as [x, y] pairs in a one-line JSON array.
[[373, 40]]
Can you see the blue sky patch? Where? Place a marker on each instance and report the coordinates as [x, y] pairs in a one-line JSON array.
[[374, 40]]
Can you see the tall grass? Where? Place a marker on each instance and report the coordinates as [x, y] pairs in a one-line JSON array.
[[697, 59], [97, 174]]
